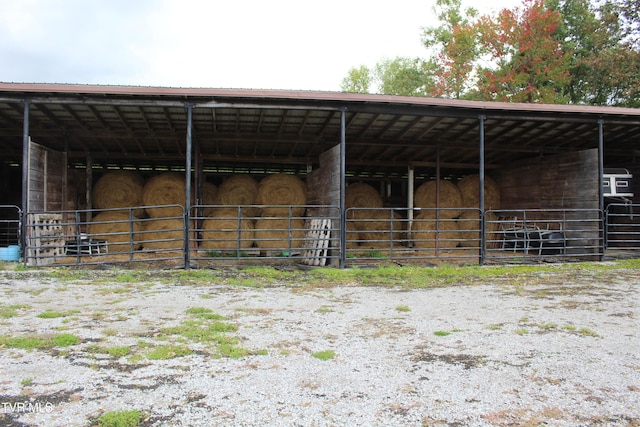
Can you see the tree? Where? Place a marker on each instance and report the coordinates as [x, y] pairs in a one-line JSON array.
[[404, 76], [358, 80], [527, 62], [454, 48]]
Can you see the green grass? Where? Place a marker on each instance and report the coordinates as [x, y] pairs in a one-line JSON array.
[[324, 355], [403, 308], [121, 418], [7, 311], [52, 314], [31, 342], [169, 351], [441, 333]]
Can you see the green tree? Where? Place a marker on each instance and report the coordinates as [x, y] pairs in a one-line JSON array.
[[454, 49], [358, 80], [404, 76]]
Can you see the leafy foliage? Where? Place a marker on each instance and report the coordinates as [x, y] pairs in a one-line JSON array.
[[545, 51]]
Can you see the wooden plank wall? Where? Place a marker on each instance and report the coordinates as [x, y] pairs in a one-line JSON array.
[[323, 184], [47, 179], [565, 181]]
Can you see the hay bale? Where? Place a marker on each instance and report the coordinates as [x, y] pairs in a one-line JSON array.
[[163, 234], [450, 198], [224, 228], [469, 187], [362, 195], [118, 189], [353, 235], [283, 191], [209, 196], [429, 233], [239, 190], [273, 233], [116, 228], [168, 188], [469, 226], [376, 228]]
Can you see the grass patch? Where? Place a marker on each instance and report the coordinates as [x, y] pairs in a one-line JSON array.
[[7, 311], [169, 351], [31, 342], [324, 355], [403, 308], [52, 314], [121, 418], [588, 332]]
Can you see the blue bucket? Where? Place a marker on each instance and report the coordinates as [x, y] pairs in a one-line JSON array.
[[11, 253]]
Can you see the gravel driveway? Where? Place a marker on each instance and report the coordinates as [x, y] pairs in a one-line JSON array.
[[510, 352]]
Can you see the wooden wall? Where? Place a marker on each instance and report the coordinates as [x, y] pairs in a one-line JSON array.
[[47, 179], [567, 181]]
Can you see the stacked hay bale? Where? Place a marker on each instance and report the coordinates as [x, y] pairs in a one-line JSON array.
[[436, 227], [118, 229], [166, 233], [469, 226], [449, 201], [223, 228], [281, 195], [371, 225], [239, 190], [168, 188], [209, 196], [430, 233], [119, 189], [469, 187]]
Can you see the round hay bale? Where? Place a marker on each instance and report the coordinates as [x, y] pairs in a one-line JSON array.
[[168, 188], [118, 189], [353, 236], [428, 233], [362, 195], [239, 190], [469, 187], [223, 230], [282, 190], [209, 196], [273, 233], [376, 228], [163, 234], [115, 227], [469, 226], [450, 198]]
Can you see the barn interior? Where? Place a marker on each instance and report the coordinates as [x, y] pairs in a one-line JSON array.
[[542, 157]]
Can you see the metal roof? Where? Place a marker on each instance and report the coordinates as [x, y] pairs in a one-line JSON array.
[[253, 130]]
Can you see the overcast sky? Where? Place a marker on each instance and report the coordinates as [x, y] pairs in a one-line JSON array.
[[257, 44]]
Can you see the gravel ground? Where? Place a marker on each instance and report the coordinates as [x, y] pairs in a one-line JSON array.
[[508, 353]]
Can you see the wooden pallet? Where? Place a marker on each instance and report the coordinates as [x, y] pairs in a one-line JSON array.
[[46, 239], [317, 238]]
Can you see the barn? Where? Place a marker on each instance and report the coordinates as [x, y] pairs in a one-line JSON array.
[[201, 177]]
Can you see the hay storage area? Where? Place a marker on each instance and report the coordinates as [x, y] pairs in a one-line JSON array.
[[283, 191], [469, 187], [168, 188], [118, 189], [469, 226], [362, 195], [377, 229], [239, 190], [116, 228], [162, 234], [273, 233], [223, 229], [429, 233], [209, 196], [449, 201]]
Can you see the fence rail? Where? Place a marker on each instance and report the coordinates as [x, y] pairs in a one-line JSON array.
[[10, 225], [209, 234]]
